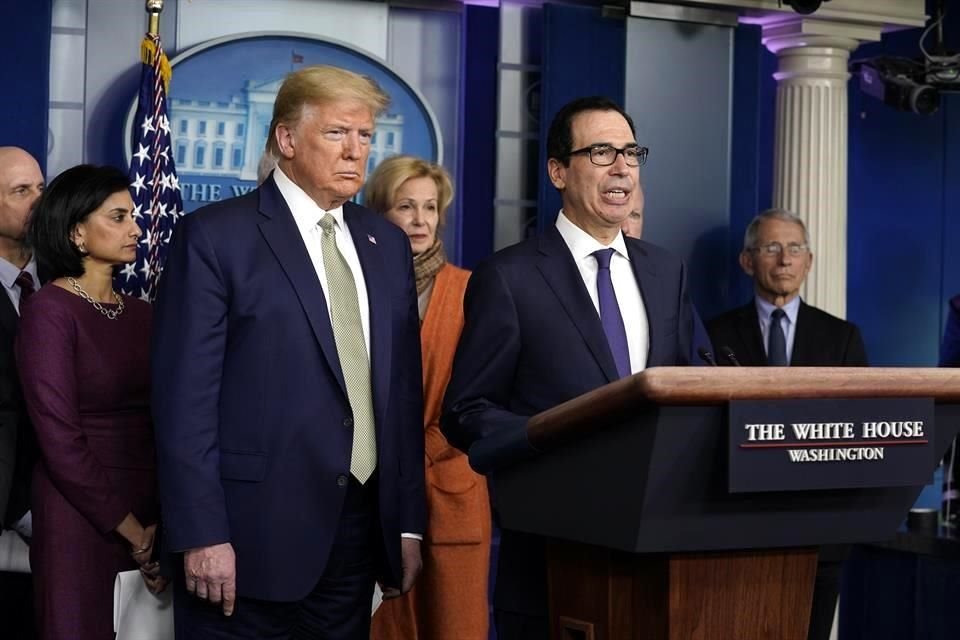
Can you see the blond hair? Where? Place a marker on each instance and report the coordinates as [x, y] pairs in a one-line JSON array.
[[382, 187], [321, 84]]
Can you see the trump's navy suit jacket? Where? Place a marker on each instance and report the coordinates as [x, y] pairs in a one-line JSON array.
[[532, 339], [253, 424]]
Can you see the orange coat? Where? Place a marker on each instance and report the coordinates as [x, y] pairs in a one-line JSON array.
[[449, 599]]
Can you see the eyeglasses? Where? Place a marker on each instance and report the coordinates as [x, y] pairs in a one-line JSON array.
[[775, 249], [604, 155]]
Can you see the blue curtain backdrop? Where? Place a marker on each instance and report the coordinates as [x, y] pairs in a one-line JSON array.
[[583, 55], [25, 34], [480, 51]]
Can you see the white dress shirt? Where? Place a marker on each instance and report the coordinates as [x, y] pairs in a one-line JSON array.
[[787, 322], [582, 245], [307, 215]]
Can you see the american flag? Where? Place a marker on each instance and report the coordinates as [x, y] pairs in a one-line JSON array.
[[153, 176]]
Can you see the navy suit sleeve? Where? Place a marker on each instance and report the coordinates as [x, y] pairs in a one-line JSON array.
[[476, 418], [701, 340], [189, 340], [8, 452], [9, 413], [409, 375], [687, 320], [950, 349], [856, 353]]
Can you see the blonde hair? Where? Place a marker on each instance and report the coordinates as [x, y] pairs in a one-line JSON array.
[[321, 84], [382, 187]]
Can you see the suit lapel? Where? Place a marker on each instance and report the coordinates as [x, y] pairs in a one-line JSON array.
[[558, 268], [804, 338], [750, 336], [378, 295], [282, 235]]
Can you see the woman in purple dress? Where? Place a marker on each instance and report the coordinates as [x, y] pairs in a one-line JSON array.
[[82, 352]]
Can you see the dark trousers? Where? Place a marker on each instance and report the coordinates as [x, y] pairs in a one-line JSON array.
[[338, 608], [16, 604], [826, 588], [517, 626]]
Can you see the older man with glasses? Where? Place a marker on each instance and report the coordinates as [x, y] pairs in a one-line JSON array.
[[777, 328]]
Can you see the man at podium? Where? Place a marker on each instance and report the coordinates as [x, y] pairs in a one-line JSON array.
[[559, 315]]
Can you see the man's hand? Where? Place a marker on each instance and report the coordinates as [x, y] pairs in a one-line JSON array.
[[211, 574], [410, 565]]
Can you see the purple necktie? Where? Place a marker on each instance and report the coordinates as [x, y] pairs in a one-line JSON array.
[[610, 313], [25, 282]]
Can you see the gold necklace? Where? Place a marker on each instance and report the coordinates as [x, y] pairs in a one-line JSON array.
[[110, 313]]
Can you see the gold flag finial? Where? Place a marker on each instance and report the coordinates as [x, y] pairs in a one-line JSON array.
[[154, 7]]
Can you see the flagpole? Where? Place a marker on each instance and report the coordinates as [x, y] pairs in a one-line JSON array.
[[154, 7]]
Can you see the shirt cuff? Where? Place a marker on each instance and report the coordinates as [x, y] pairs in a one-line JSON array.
[[412, 536]]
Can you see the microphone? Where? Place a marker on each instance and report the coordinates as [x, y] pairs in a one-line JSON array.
[[706, 356], [727, 353]]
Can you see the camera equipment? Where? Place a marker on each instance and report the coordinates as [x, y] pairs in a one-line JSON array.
[[913, 84], [805, 7]]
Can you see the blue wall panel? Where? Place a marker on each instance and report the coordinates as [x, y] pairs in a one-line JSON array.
[[894, 222], [950, 236], [897, 187], [746, 155], [24, 73], [678, 90], [751, 153], [480, 50], [583, 55]]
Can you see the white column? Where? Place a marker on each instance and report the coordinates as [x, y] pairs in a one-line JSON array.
[[810, 156]]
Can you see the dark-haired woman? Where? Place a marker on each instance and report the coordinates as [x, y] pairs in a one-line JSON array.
[[82, 351]]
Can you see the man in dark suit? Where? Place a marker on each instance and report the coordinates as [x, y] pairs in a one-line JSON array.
[[777, 328], [287, 387], [776, 254], [558, 315], [21, 183]]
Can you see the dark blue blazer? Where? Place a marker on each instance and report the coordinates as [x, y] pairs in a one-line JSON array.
[[950, 347], [820, 339], [253, 425], [532, 339]]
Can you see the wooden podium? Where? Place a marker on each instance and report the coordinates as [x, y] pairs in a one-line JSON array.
[[645, 540]]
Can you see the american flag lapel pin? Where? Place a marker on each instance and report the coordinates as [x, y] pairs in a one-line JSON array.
[[371, 239]]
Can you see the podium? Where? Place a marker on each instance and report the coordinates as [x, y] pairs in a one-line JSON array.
[[644, 538]]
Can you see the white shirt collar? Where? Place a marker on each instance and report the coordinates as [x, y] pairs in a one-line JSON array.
[[10, 271], [582, 244], [306, 212]]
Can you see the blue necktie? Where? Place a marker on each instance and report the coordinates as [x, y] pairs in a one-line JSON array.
[[610, 313], [777, 341]]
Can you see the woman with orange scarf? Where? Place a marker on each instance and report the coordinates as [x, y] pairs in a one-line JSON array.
[[449, 599]]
